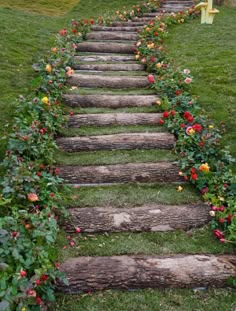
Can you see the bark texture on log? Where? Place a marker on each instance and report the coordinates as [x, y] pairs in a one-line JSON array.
[[131, 272], [125, 141], [105, 58], [115, 82], [104, 119], [127, 24], [121, 173], [109, 101], [101, 47], [108, 35], [110, 67], [107, 28], [153, 218]]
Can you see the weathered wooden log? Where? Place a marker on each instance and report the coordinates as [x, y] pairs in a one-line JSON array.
[[153, 218], [108, 35], [127, 24], [121, 173], [127, 141], [105, 58], [108, 28], [101, 47], [133, 272], [110, 67], [115, 82], [106, 119], [109, 101]]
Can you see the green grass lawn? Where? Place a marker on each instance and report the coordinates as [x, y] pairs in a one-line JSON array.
[[209, 51]]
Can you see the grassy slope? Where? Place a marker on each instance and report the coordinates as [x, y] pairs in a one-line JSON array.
[[209, 51], [24, 37]]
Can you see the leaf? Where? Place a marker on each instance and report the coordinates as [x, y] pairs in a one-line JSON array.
[[4, 305]]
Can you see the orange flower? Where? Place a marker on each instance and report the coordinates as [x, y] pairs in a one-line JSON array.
[[32, 197], [48, 68], [204, 168]]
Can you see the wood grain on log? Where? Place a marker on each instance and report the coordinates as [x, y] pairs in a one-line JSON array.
[[121, 173], [101, 47], [108, 35], [110, 67], [115, 82], [126, 141], [105, 58], [108, 28], [109, 101], [132, 272], [105, 119], [137, 219], [127, 24]]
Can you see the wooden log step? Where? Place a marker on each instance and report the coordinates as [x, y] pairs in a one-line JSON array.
[[108, 28], [110, 67], [121, 173], [127, 141], [108, 35], [155, 218], [101, 47], [105, 58], [134, 272], [107, 119], [109, 101], [115, 82], [127, 24]]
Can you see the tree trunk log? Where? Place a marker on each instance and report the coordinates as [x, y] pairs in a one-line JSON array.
[[105, 58], [137, 219], [101, 47], [105, 119], [121, 173], [108, 35], [109, 101], [134, 272], [105, 28], [110, 67], [117, 141], [115, 82], [127, 24]]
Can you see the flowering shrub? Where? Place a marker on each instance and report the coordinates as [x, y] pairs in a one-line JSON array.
[[29, 208], [202, 159]]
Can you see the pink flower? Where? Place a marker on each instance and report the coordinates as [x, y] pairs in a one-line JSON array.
[[188, 80], [151, 78], [32, 197], [23, 273], [218, 234], [62, 32], [186, 71], [77, 230]]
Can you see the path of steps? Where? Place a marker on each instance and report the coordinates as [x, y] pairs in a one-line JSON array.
[[105, 65]]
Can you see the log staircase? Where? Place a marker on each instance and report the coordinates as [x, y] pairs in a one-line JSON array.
[[111, 89]]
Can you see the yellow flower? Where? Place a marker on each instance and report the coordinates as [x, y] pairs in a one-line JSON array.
[[45, 100], [159, 65], [179, 189], [180, 173], [23, 309], [204, 168], [137, 56], [158, 102], [48, 68], [150, 46], [147, 28], [211, 126]]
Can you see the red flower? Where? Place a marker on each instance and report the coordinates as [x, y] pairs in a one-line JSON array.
[[77, 230], [161, 122], [221, 220], [182, 125], [193, 170], [173, 112], [201, 144], [38, 282], [178, 92], [218, 234], [229, 218], [197, 127], [23, 273], [151, 78], [32, 197], [39, 301], [204, 190], [165, 114], [62, 32], [194, 176], [44, 277]]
